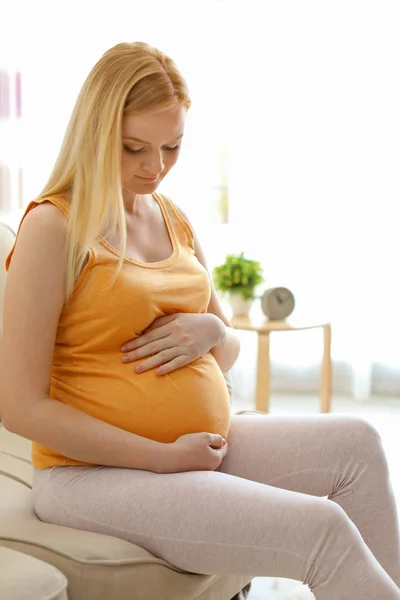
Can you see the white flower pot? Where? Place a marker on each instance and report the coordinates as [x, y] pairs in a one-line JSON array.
[[240, 306]]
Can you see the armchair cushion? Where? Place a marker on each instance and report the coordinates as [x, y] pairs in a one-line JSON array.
[[24, 577]]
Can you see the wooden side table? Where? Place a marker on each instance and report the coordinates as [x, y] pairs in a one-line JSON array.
[[264, 327]]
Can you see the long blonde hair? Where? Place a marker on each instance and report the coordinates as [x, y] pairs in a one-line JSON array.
[[129, 79]]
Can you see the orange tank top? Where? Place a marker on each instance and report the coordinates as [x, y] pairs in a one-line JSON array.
[[87, 372]]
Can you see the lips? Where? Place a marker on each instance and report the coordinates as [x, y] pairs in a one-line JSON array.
[[148, 179]]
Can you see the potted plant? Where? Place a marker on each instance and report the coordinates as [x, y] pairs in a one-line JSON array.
[[238, 277]]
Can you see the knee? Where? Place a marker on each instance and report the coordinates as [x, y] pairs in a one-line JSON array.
[[360, 437], [331, 516]]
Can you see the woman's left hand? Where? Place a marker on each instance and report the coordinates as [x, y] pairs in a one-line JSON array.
[[174, 341]]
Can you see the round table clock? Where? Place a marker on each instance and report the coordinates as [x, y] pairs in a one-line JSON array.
[[277, 303]]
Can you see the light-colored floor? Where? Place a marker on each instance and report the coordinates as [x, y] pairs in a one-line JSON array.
[[383, 413]]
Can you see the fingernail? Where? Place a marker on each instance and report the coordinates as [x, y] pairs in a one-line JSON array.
[[125, 358], [223, 441]]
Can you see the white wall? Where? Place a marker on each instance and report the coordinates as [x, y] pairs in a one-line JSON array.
[[315, 157], [310, 93], [56, 44]]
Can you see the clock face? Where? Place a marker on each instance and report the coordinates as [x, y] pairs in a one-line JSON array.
[[278, 303]]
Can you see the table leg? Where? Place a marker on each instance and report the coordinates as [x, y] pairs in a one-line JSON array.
[[263, 373], [326, 378]]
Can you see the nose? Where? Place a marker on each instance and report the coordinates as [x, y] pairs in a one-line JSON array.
[[154, 164]]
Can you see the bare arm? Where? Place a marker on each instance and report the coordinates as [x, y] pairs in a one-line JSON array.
[[33, 302]]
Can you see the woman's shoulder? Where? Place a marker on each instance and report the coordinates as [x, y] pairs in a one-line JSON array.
[[45, 212], [49, 208], [43, 216], [42, 222], [59, 201]]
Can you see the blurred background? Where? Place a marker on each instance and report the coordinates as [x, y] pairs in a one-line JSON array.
[[291, 155], [291, 152]]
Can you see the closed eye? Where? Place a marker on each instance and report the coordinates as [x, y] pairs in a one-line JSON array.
[[167, 148], [131, 151]]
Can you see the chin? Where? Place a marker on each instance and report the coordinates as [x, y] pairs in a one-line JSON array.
[[141, 189]]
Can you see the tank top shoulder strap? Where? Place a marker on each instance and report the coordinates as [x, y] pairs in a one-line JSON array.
[[181, 228], [60, 201]]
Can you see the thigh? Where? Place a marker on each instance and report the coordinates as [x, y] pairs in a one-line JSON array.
[[316, 454], [200, 521]]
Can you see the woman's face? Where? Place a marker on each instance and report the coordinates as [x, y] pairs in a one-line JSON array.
[[151, 144]]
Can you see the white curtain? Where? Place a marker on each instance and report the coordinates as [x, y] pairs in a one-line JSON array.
[[314, 182], [309, 94]]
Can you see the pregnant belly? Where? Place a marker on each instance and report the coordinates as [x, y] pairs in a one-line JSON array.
[[191, 399]]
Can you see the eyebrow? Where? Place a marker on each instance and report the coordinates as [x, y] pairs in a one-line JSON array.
[[144, 142]]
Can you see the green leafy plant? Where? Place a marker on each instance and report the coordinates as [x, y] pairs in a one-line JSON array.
[[238, 275]]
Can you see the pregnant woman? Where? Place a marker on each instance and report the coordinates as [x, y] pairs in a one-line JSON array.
[[114, 350]]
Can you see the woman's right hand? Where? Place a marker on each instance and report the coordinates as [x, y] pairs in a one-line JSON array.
[[195, 452]]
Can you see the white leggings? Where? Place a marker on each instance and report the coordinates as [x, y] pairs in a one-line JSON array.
[[264, 512]]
